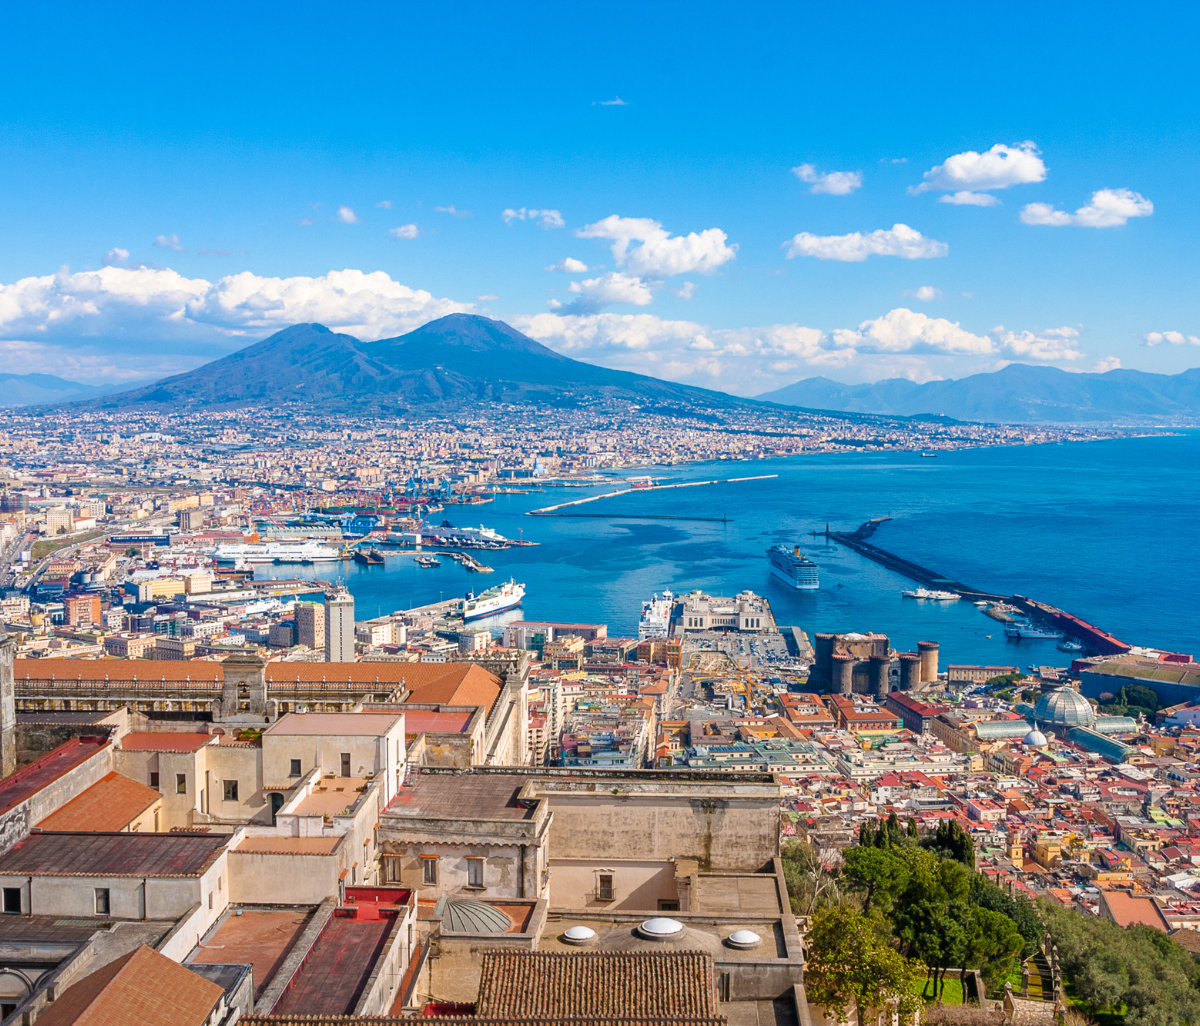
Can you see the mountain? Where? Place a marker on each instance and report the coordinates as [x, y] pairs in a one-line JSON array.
[[35, 389], [444, 364], [1019, 393]]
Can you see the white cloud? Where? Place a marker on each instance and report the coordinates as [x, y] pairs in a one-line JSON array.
[[997, 168], [487, 299], [1108, 208], [1050, 345], [383, 205], [347, 215], [905, 331], [169, 242], [614, 102], [613, 287], [546, 218], [116, 255], [453, 211], [1174, 338], [898, 241], [659, 253], [405, 231], [686, 290], [570, 265], [83, 363], [833, 183], [970, 199], [1106, 364], [926, 293], [159, 304]]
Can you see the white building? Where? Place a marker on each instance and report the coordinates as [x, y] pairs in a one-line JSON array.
[[339, 627]]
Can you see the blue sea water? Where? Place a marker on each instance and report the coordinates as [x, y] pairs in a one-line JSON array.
[[1105, 530]]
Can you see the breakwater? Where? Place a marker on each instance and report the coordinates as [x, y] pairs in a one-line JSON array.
[[555, 511]]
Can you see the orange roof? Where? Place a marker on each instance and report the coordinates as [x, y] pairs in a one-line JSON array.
[[165, 741], [107, 807], [287, 845], [142, 988], [1130, 911], [475, 687], [117, 669]]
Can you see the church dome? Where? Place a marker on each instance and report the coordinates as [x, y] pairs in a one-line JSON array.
[[464, 915], [1064, 707], [1036, 739]]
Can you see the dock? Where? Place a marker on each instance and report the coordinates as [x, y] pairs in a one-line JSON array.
[[553, 511], [1100, 641]]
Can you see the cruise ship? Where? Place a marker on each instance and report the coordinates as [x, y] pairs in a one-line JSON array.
[[494, 600], [655, 621], [795, 570], [275, 552]]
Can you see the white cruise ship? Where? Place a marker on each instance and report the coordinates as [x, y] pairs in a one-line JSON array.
[[275, 552], [494, 600], [795, 570], [655, 621]]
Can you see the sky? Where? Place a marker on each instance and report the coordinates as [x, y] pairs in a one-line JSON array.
[[732, 197]]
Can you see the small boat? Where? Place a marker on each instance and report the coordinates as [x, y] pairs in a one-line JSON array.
[[1028, 631], [929, 455], [428, 562], [1070, 645], [936, 596]]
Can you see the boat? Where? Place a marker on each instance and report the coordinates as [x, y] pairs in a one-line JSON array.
[[928, 593], [796, 571], [495, 600], [1070, 645], [368, 557], [929, 455], [427, 562], [274, 552], [655, 621], [1025, 630]]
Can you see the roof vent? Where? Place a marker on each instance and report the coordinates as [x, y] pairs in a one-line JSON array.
[[660, 928], [578, 936], [743, 939]]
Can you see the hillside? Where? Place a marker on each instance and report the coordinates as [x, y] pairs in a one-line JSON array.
[[32, 389], [447, 363], [1017, 394]]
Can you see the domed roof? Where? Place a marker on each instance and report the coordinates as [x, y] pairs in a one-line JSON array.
[[744, 939], [1064, 707], [463, 915], [661, 927], [579, 935], [1036, 739]]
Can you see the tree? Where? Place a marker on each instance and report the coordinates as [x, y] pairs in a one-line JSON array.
[[986, 894], [876, 873], [809, 884], [951, 841], [850, 965], [993, 943]]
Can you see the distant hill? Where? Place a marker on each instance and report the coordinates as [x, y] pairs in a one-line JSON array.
[[35, 389], [455, 360], [1017, 394]]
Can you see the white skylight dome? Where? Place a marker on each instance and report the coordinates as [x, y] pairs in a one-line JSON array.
[[743, 939], [661, 928], [578, 935]]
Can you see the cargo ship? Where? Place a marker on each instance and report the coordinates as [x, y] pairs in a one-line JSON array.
[[655, 621], [494, 600], [795, 570]]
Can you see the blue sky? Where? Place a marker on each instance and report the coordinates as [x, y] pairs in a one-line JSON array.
[[266, 148]]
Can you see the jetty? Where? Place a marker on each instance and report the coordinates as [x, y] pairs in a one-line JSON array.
[[555, 511], [1093, 637]]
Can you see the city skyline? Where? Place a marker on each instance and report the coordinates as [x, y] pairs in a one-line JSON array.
[[784, 218]]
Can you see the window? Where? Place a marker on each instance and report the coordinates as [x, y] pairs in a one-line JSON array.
[[154, 780], [295, 770], [345, 764], [605, 892], [102, 904], [12, 900], [474, 872], [231, 790], [181, 783], [666, 905], [429, 870], [210, 903]]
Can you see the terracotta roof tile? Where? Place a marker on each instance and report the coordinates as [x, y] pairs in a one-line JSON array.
[[110, 804], [142, 988], [164, 741]]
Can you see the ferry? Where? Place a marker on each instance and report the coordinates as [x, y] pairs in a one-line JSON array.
[[494, 600], [275, 552], [795, 570], [655, 621], [937, 596], [1028, 631]]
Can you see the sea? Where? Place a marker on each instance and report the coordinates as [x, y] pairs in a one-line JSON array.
[[1106, 530]]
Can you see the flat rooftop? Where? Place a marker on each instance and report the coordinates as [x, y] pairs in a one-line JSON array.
[[61, 930], [461, 796], [368, 724], [89, 854], [332, 796], [27, 782], [426, 721], [165, 741], [288, 845], [262, 937], [336, 969]]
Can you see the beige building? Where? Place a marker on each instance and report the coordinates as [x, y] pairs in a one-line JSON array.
[[310, 625]]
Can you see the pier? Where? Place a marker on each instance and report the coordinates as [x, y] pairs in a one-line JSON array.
[[553, 511], [1092, 636]]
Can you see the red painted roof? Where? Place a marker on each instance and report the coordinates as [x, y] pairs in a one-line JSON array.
[[163, 741], [25, 783]]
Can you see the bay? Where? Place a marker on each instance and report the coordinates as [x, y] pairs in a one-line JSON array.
[[1105, 530]]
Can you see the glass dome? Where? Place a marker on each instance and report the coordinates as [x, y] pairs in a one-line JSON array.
[[1064, 707], [660, 928]]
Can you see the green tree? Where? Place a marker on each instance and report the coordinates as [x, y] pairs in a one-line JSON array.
[[993, 944], [951, 841], [850, 965], [986, 894], [875, 873]]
